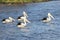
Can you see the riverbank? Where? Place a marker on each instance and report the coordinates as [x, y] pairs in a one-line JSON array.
[[20, 1]]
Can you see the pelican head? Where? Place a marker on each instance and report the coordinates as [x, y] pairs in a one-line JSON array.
[[24, 13], [11, 18], [49, 15]]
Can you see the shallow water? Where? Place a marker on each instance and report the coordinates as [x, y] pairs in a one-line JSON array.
[[36, 30]]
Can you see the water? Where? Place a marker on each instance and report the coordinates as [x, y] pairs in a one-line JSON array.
[[36, 30]]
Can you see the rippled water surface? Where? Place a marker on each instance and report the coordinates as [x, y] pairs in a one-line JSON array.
[[36, 30]]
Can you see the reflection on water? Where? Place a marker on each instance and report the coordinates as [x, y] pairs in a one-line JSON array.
[[36, 30]]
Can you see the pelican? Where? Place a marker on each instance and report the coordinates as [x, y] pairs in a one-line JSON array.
[[21, 18], [10, 19], [21, 24], [48, 19]]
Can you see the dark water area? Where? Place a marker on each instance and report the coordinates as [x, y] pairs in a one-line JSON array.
[[36, 30]]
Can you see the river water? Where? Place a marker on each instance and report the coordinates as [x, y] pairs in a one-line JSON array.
[[36, 30]]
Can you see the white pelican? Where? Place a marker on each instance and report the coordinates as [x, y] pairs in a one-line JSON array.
[[48, 19], [21, 24], [10, 19], [21, 18]]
